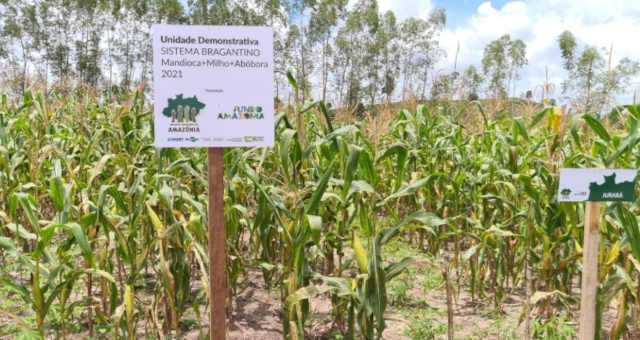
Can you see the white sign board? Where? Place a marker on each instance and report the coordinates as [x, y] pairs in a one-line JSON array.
[[213, 86], [596, 185]]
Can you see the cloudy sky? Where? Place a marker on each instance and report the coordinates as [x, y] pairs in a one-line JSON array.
[[474, 23]]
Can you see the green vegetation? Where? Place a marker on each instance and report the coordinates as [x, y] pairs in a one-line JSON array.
[[366, 208], [553, 329], [103, 232], [423, 326]]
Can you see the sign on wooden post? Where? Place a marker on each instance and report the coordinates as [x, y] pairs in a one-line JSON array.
[[593, 186], [213, 87]]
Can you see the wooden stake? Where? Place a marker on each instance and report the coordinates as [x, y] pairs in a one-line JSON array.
[[447, 280], [589, 271], [217, 247]]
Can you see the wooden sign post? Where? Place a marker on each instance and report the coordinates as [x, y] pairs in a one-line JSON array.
[[213, 88], [593, 186], [589, 271], [217, 246]]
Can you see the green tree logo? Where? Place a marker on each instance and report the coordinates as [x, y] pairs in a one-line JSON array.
[[565, 192], [183, 110]]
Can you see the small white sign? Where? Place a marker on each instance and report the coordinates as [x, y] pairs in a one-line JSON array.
[[596, 185], [213, 86]]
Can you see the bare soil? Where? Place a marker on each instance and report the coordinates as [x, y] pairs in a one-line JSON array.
[[256, 313]]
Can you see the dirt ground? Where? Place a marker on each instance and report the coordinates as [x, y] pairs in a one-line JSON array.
[[417, 309], [256, 315]]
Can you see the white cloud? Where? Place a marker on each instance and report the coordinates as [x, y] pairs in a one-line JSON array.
[[538, 24], [406, 8]]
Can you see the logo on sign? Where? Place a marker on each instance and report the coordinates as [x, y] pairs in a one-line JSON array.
[[253, 139], [243, 112], [183, 113]]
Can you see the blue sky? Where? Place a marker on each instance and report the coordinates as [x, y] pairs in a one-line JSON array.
[[459, 11]]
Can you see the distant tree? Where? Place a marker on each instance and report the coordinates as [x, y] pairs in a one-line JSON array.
[[517, 59], [15, 35], [88, 60], [618, 78], [169, 12], [355, 51], [501, 61], [494, 64], [592, 84], [588, 66], [471, 80], [325, 16], [381, 60], [388, 39], [442, 86], [567, 44], [421, 50], [389, 85], [300, 58]]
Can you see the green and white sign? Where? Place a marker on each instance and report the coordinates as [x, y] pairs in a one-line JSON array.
[[213, 86], [597, 185]]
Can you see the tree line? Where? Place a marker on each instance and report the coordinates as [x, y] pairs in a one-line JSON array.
[[348, 53]]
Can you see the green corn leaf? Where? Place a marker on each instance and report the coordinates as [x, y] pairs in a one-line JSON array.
[[634, 110], [367, 168], [387, 234], [284, 148], [360, 187], [376, 294], [342, 131], [352, 166], [407, 190], [101, 273], [341, 286], [315, 225], [21, 232], [28, 203], [597, 127], [7, 244], [83, 242], [519, 129], [428, 219], [56, 191], [538, 117], [628, 143], [292, 80], [323, 108], [306, 293], [314, 202], [276, 206], [397, 268], [18, 289], [98, 168], [470, 252]]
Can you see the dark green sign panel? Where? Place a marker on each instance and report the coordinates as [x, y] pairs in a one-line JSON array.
[[597, 185]]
